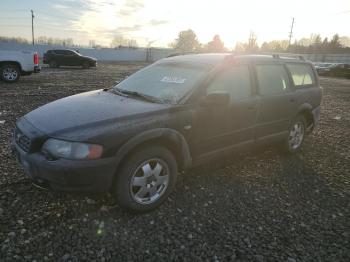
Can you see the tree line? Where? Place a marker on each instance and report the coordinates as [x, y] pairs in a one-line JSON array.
[[187, 41], [40, 40]]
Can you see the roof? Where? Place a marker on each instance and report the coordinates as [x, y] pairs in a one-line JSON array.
[[216, 58], [210, 59]]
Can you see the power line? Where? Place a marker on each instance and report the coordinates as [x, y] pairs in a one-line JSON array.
[[54, 16], [14, 25], [14, 18]]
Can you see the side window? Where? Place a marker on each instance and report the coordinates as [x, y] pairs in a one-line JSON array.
[[68, 52], [235, 81], [272, 79], [302, 74]]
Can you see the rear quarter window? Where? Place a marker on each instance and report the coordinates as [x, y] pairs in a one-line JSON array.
[[302, 74]]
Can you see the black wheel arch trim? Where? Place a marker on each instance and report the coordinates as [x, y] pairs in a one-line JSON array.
[[158, 133], [8, 62], [306, 108]]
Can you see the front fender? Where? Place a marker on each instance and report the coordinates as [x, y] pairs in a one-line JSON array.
[[166, 133]]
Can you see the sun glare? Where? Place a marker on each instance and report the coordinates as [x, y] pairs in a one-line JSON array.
[[159, 22]]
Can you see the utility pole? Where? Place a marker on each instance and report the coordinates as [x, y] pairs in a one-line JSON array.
[[291, 32], [32, 26]]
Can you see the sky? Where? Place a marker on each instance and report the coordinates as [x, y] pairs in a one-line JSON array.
[[158, 22]]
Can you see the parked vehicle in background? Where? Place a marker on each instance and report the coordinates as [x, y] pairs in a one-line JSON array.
[[181, 111], [65, 57], [14, 64], [321, 65], [336, 69]]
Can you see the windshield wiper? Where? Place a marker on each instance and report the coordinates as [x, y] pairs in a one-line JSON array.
[[137, 94], [115, 91]]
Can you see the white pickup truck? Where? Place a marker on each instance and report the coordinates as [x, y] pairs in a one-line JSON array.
[[13, 64]]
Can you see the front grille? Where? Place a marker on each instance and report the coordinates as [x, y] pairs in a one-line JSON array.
[[22, 140]]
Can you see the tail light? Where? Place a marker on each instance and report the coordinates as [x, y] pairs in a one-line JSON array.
[[36, 59]]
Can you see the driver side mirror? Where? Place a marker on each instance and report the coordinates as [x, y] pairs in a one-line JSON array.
[[215, 99]]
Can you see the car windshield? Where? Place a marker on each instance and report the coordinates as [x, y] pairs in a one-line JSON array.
[[167, 82]]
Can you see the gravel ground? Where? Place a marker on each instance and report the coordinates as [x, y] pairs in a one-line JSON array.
[[258, 206]]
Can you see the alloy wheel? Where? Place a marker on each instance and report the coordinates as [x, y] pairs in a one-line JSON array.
[[10, 74], [149, 181], [296, 135]]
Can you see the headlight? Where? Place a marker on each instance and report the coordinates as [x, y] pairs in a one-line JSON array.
[[71, 150]]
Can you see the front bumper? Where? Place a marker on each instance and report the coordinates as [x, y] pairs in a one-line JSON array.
[[91, 176]]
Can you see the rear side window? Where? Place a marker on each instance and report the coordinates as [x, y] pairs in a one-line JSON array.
[[68, 52], [302, 74], [272, 79], [235, 81]]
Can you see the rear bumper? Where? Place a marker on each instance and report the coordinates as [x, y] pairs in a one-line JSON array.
[[316, 116], [37, 69], [91, 176]]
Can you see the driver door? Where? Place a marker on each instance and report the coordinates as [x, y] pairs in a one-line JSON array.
[[220, 128]]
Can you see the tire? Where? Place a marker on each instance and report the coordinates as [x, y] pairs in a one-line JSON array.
[[53, 64], [145, 180], [86, 65], [10, 73], [296, 135]]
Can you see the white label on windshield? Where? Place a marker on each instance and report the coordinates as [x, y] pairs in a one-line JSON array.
[[173, 79]]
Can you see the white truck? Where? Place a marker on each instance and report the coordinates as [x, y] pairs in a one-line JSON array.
[[14, 64]]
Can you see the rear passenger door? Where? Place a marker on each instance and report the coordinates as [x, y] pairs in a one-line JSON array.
[[277, 101]]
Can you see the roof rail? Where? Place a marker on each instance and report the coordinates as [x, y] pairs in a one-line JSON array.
[[287, 55], [184, 53]]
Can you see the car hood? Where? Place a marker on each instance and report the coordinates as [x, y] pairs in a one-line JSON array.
[[86, 110]]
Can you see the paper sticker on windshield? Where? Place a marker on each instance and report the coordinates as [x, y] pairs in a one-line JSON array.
[[173, 79]]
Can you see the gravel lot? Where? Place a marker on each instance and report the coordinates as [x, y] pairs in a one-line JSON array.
[[258, 206]]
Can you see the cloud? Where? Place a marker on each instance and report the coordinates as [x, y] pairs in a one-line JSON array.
[[155, 22], [105, 19], [128, 29], [130, 7]]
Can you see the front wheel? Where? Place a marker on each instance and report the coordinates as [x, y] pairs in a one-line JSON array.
[[296, 135], [146, 179], [10, 73]]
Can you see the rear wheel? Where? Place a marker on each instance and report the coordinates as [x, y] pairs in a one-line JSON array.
[[10, 73], [296, 135], [146, 179]]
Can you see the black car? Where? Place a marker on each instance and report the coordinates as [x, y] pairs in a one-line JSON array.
[[134, 138], [65, 57], [336, 69]]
